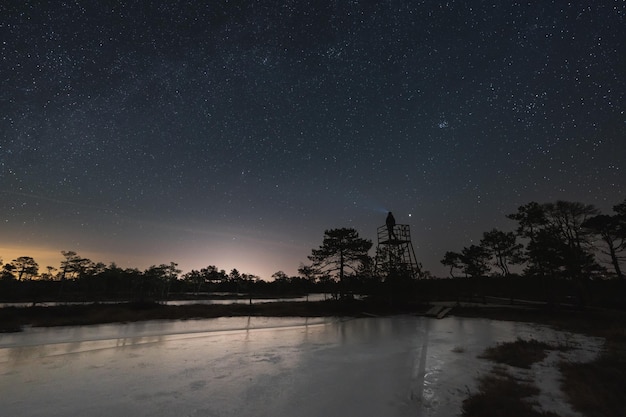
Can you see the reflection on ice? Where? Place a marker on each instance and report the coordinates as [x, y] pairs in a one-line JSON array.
[[395, 366]]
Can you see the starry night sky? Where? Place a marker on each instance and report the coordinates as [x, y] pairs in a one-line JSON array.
[[233, 133]]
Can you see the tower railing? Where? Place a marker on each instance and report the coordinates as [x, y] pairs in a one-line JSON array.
[[400, 233], [395, 250]]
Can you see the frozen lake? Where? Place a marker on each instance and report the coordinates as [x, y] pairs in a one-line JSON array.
[[392, 366]]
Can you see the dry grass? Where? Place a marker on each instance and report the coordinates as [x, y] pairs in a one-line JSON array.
[[502, 396], [596, 388], [499, 393], [521, 353]]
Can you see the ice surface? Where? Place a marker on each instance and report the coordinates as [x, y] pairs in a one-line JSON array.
[[393, 366]]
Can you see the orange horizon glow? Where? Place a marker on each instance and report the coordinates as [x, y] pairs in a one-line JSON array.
[[257, 263]]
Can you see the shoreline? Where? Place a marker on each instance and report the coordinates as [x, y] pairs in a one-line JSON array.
[[591, 320], [12, 319]]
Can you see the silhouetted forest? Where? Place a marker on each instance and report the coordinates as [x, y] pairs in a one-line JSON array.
[[558, 253]]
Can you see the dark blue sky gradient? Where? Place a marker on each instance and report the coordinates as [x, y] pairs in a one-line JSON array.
[[234, 133]]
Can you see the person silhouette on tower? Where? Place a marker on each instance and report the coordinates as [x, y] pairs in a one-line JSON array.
[[391, 223]]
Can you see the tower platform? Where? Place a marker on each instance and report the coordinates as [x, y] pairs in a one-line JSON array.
[[395, 251]]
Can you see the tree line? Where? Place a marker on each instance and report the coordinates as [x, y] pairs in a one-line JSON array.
[[569, 240], [80, 278], [563, 240]]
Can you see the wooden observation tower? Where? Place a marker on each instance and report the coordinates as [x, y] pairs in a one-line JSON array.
[[395, 253]]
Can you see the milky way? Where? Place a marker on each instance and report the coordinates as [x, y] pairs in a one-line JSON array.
[[234, 133]]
